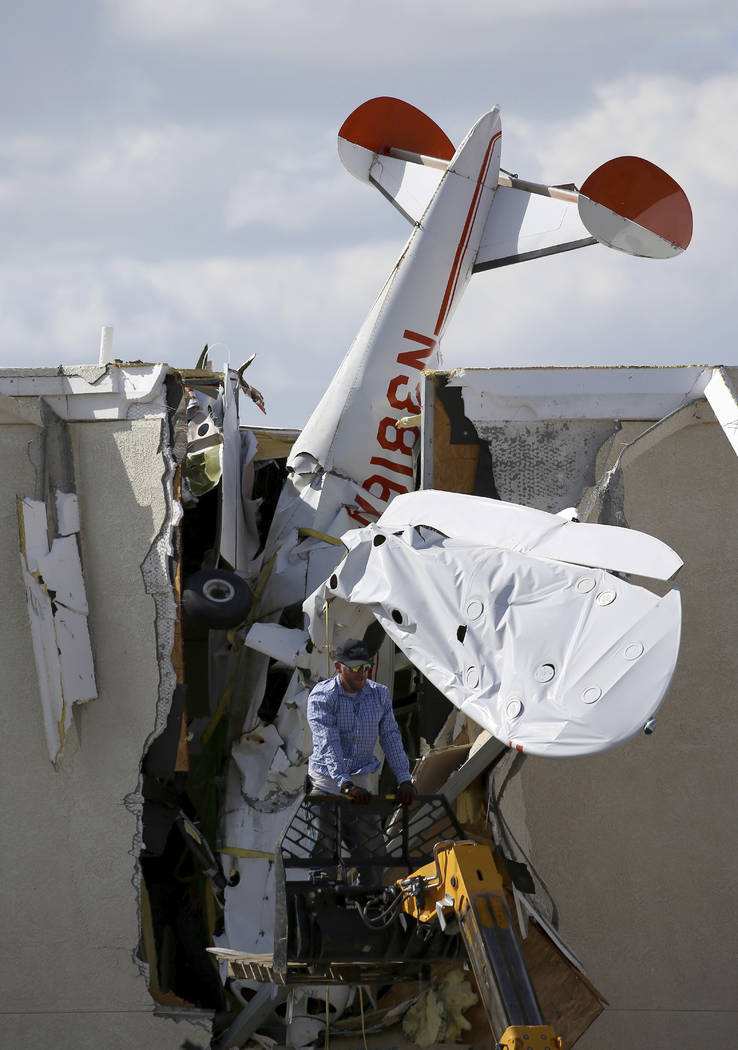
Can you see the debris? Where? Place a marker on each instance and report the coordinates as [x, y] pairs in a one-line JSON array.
[[438, 1015], [512, 620], [57, 610]]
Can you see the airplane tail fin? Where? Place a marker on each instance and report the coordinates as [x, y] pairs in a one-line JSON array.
[[371, 144], [628, 203]]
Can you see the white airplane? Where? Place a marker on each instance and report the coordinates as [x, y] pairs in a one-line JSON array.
[[353, 458]]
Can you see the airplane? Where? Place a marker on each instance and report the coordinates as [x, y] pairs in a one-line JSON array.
[[351, 480], [354, 456], [355, 453]]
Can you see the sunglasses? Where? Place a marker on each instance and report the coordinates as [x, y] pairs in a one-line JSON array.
[[358, 667]]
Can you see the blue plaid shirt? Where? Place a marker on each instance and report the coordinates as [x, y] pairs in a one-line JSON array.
[[345, 729]]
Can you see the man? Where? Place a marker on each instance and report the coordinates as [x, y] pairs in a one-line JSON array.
[[347, 714]]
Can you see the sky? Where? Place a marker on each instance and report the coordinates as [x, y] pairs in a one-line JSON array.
[[170, 170]]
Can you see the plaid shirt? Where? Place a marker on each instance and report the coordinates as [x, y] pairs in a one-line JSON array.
[[345, 729]]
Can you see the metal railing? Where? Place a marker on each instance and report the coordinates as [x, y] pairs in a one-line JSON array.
[[330, 830]]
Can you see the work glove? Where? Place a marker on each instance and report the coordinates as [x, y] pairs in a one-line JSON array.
[[357, 794], [405, 793]]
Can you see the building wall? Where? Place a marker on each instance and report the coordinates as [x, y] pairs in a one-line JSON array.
[[635, 845], [70, 909], [638, 845], [544, 463]]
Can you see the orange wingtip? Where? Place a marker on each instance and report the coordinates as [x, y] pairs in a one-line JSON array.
[[384, 122], [638, 190]]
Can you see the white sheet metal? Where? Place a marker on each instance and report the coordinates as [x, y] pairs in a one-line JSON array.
[[255, 754], [59, 630], [282, 643], [263, 791], [61, 570], [67, 513], [355, 158], [556, 659], [46, 658], [75, 656], [292, 726], [34, 531], [493, 522], [249, 915], [237, 546], [322, 502]]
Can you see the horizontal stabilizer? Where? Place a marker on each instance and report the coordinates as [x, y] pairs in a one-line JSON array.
[[382, 125], [406, 185], [522, 226]]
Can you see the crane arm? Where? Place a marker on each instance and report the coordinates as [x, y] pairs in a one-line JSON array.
[[463, 885]]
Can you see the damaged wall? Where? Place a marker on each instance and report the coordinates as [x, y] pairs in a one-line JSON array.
[[70, 903], [545, 463], [637, 846]]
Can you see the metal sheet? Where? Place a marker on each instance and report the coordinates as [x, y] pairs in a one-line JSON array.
[[489, 522], [550, 657], [59, 630]]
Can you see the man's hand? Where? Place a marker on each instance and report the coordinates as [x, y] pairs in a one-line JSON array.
[[405, 793], [357, 794]]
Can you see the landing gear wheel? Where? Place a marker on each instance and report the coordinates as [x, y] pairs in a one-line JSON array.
[[216, 598]]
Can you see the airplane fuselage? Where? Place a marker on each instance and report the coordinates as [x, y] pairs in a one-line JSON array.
[[354, 431]]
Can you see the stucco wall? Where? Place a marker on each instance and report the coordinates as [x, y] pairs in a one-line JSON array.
[[638, 846], [69, 904]]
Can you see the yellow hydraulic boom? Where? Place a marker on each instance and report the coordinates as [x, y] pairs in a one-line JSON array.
[[463, 885]]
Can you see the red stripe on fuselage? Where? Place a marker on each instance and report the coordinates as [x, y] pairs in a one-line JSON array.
[[463, 244]]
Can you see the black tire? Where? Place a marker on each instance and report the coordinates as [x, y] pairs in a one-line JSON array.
[[215, 598]]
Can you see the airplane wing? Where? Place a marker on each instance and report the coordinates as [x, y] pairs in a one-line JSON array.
[[552, 655], [489, 522], [523, 226]]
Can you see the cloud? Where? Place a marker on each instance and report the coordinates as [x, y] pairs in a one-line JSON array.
[[244, 230], [157, 190], [388, 30], [291, 201], [674, 121], [299, 317], [103, 192]]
